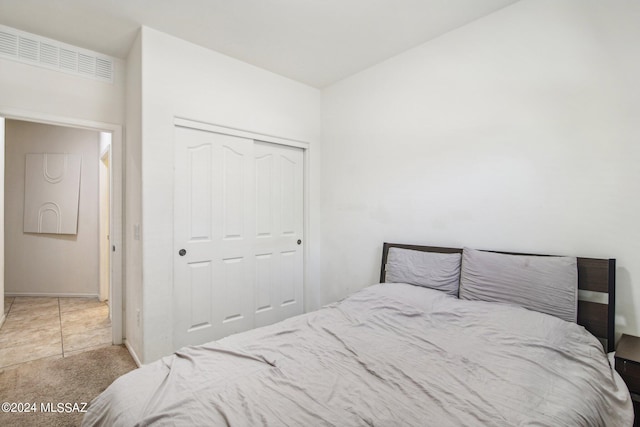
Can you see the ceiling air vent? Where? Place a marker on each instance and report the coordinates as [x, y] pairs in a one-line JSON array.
[[35, 50], [87, 64], [28, 49], [8, 44], [68, 59], [49, 54], [104, 68]]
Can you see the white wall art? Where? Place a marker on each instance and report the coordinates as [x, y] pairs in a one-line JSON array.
[[52, 193]]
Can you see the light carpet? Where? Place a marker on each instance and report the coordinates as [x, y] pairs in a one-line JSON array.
[[71, 381]]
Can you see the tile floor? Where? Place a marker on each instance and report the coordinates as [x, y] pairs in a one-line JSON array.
[[39, 327]]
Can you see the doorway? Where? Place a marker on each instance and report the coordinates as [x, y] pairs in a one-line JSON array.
[[114, 160]]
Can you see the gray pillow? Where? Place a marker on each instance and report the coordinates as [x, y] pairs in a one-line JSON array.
[[546, 284], [429, 269]]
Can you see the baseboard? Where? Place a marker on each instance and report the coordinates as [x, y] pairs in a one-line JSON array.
[[50, 295], [132, 352]]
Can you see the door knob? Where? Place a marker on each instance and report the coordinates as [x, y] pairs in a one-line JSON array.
[[182, 252]]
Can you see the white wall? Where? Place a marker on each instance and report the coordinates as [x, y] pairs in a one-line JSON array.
[[47, 264], [29, 88], [516, 132], [180, 79], [133, 199]]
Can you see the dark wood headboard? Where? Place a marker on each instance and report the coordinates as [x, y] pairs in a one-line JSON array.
[[594, 274]]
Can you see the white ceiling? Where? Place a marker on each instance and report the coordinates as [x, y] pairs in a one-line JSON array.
[[317, 42]]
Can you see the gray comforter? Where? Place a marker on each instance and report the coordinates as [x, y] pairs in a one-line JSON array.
[[389, 355]]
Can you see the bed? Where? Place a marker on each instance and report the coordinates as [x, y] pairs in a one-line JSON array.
[[440, 341]]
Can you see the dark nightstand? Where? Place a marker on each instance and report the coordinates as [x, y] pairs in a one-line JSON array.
[[628, 366]]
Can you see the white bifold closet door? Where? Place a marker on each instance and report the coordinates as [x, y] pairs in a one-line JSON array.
[[238, 234]]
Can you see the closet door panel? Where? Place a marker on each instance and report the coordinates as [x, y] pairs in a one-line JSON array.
[[280, 240], [213, 233]]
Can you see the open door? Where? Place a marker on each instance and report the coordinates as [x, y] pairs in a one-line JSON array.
[[105, 204]]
